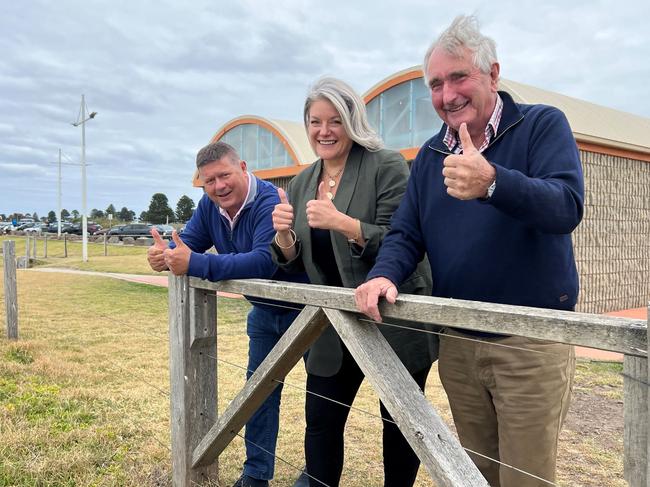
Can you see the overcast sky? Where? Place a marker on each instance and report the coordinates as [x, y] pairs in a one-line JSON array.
[[165, 75]]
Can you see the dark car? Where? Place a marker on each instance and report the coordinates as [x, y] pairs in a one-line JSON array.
[[131, 230], [165, 231], [75, 229], [54, 227]]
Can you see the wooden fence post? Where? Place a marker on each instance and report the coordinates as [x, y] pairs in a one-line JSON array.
[[65, 245], [27, 251], [11, 293], [45, 247], [106, 244], [193, 377], [636, 413], [34, 242]]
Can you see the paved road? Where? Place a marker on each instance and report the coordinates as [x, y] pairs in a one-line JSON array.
[[161, 280]]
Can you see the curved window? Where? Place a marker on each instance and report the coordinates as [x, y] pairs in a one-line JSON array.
[[403, 115], [259, 147]]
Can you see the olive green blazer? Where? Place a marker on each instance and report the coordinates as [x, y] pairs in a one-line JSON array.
[[370, 189]]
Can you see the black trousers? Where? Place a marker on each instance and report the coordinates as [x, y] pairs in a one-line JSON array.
[[326, 424]]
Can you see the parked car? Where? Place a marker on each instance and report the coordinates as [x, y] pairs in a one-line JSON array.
[[131, 230], [35, 228], [165, 231], [6, 227], [75, 228], [25, 226], [53, 227]]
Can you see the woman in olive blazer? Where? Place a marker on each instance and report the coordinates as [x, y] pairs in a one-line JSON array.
[[330, 223]]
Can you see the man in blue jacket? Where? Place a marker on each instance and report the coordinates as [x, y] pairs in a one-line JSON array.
[[234, 216], [492, 199]]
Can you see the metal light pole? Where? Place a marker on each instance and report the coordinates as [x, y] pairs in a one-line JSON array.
[[58, 219], [84, 217]]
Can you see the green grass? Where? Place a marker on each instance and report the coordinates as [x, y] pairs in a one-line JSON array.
[[84, 394], [129, 259]]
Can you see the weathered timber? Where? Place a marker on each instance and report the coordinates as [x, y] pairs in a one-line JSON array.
[[65, 245], [438, 449], [635, 433], [106, 244], [27, 251], [616, 334], [304, 331], [193, 377], [45, 247], [10, 287], [34, 242]]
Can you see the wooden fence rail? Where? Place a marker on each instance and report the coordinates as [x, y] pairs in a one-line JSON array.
[[199, 436]]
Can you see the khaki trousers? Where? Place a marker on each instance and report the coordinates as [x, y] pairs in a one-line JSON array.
[[508, 403]]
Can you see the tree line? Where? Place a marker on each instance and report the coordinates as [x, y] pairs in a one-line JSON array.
[[159, 211]]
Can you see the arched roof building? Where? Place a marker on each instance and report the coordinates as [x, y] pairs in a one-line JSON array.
[[400, 107], [611, 244], [271, 148]]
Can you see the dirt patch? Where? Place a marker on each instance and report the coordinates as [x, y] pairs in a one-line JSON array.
[[593, 414]]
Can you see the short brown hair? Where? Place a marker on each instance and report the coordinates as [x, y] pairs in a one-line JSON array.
[[216, 151]]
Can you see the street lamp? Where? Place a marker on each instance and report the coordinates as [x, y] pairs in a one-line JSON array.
[[84, 218]]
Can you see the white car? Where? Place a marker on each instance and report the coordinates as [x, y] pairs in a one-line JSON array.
[[6, 227], [36, 229]]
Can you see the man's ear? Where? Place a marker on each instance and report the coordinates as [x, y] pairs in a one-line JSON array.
[[242, 164], [494, 76]]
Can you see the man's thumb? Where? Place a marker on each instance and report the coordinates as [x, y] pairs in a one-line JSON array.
[[465, 139], [283, 196], [177, 240], [157, 238]]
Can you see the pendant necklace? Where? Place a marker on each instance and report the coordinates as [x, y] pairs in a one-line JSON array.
[[332, 180]]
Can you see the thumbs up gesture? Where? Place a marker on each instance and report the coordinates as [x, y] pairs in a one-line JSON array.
[[321, 212], [178, 258], [282, 214], [155, 255], [467, 175]]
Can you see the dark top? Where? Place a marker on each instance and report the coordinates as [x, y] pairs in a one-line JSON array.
[[370, 189], [514, 248]]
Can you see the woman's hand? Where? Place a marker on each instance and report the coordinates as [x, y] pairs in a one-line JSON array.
[[282, 217], [321, 213], [282, 214]]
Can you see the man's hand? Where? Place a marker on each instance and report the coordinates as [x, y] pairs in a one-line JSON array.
[[367, 296], [467, 175], [178, 259], [321, 212], [155, 253]]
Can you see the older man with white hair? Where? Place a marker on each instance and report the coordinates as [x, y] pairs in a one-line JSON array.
[[492, 200]]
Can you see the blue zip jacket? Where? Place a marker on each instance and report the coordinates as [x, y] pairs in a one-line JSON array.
[[514, 248], [243, 251]]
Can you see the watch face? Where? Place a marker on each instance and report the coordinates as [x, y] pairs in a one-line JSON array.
[[491, 189]]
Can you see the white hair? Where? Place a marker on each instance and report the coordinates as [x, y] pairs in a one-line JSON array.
[[464, 33]]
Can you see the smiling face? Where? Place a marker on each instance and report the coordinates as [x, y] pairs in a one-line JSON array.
[[326, 133], [226, 183], [460, 92]]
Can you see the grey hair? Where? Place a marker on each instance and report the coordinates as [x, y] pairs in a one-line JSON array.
[[351, 108], [464, 33], [216, 151]]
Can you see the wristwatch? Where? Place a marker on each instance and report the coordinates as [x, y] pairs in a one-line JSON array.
[[491, 188]]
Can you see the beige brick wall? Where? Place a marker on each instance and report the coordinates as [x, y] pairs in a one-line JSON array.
[[612, 244]]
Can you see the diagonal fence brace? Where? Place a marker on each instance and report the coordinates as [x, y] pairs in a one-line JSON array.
[[438, 449], [303, 332]]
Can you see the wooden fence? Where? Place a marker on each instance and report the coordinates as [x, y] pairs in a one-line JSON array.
[[199, 436], [10, 288]]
